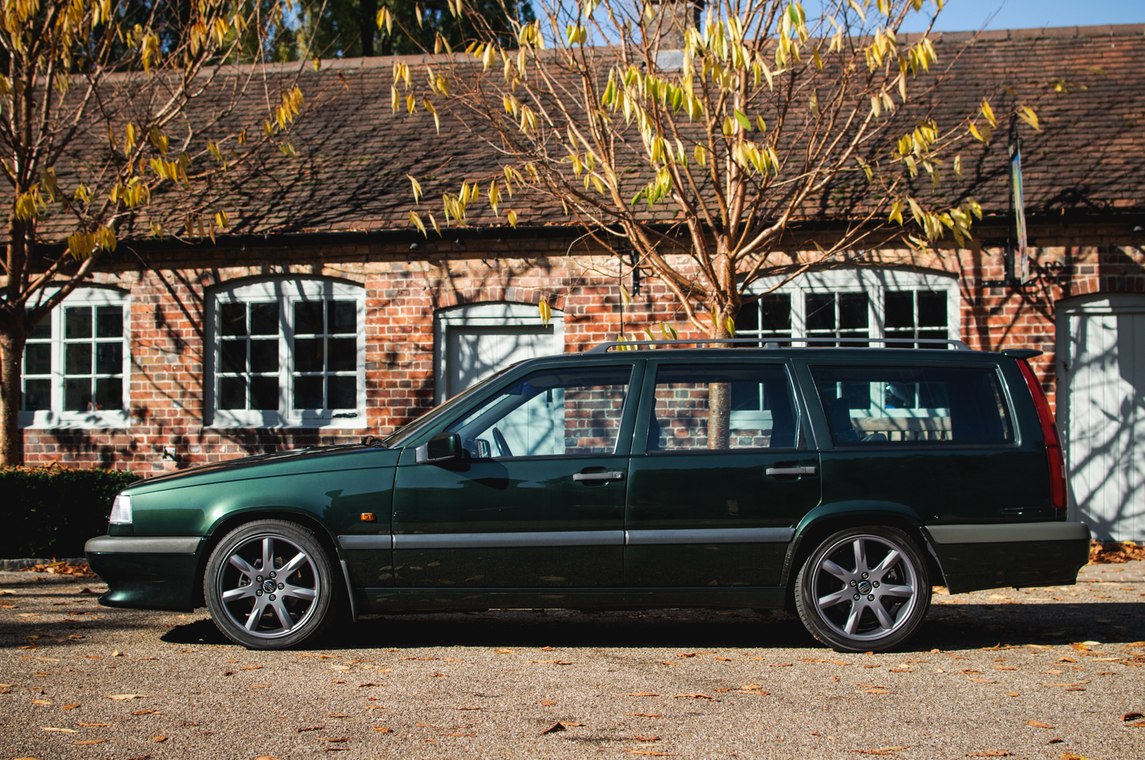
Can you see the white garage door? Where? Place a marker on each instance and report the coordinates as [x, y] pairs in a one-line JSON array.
[[473, 342], [1101, 410]]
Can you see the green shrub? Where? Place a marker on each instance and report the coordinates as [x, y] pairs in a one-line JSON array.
[[51, 511]]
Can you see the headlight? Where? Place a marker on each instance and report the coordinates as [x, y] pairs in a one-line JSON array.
[[121, 510]]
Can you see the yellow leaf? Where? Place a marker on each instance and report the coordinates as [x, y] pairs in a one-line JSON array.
[[988, 112], [512, 217], [416, 221], [416, 189], [1026, 114], [546, 312]]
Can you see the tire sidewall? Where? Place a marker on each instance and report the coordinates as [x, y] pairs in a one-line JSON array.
[[320, 612], [806, 600]]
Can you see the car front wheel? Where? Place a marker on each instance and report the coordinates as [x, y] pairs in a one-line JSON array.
[[268, 585], [863, 589]]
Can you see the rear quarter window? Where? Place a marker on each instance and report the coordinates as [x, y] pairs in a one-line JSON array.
[[927, 406]]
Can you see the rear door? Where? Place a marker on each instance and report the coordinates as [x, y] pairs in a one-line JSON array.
[[720, 474], [539, 499]]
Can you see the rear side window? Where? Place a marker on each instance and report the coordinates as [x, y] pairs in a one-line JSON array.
[[708, 407], [914, 405]]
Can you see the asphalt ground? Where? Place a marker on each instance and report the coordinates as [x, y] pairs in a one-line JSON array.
[[1037, 673]]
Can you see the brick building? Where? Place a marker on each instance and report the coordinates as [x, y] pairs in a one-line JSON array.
[[325, 317]]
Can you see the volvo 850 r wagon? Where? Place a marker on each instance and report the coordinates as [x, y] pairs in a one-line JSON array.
[[840, 483]]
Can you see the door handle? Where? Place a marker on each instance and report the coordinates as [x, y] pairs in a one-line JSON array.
[[598, 477], [776, 471]]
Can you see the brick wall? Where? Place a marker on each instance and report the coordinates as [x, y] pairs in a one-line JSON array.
[[404, 287]]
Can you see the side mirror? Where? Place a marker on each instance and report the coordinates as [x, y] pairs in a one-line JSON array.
[[443, 447]]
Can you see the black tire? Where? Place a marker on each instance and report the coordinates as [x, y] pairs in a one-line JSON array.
[[863, 590], [250, 597]]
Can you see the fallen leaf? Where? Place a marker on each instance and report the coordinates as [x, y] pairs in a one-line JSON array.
[[558, 726], [381, 730], [145, 712], [124, 697], [64, 730], [647, 752], [646, 715], [696, 696], [69, 707], [158, 739], [641, 694], [334, 741], [883, 750], [461, 734], [1132, 716], [646, 738], [1038, 724], [85, 742], [547, 702], [309, 728], [982, 680], [93, 725], [43, 702], [338, 715], [991, 753], [551, 662]]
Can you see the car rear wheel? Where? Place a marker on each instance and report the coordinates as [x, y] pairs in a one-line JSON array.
[[268, 585], [863, 589]]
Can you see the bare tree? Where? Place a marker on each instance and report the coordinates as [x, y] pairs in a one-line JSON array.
[[97, 133], [698, 136]]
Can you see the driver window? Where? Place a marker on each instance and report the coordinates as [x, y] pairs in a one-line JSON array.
[[563, 412]]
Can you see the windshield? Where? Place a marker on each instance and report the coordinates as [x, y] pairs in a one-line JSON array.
[[410, 429]]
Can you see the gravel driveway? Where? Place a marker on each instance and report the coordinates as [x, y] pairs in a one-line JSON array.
[[1037, 673]]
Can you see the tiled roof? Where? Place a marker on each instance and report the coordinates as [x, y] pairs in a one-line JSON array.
[[353, 153]]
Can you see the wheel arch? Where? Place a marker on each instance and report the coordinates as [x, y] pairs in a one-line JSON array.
[[820, 523], [233, 520]]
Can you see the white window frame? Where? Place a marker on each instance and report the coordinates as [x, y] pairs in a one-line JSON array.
[[285, 291], [488, 314], [873, 282], [56, 417]]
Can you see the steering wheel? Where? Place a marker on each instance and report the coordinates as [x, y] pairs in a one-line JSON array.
[[502, 444]]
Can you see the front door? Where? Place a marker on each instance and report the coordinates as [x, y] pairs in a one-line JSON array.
[[537, 502], [720, 479]]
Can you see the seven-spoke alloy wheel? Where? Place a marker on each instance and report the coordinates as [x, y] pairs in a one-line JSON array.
[[863, 589], [268, 585]]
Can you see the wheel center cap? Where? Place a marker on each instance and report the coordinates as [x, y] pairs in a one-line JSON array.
[[269, 586], [864, 587]]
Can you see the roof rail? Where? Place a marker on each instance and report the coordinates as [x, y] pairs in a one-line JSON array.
[[770, 343]]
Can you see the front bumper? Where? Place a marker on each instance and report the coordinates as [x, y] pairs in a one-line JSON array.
[[997, 555], [146, 573]]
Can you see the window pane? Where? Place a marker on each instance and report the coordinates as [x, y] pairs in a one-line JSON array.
[[343, 392], [913, 405], [264, 355], [932, 309], [42, 330], [109, 322], [775, 313], [308, 318], [109, 394], [77, 395], [38, 359], [573, 412], [900, 310], [343, 318], [747, 321], [109, 358], [264, 393], [343, 354], [232, 319], [37, 395], [77, 359], [820, 311], [853, 312], [232, 357], [308, 355], [761, 413], [78, 322], [264, 319], [308, 393], [232, 393]]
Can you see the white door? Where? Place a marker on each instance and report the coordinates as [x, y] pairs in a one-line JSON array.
[[1101, 410], [473, 342]]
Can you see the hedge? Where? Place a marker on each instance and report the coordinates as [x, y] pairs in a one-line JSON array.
[[51, 511]]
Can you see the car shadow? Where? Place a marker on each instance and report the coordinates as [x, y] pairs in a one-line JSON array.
[[947, 628]]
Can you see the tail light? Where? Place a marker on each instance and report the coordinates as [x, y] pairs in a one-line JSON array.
[[1054, 454]]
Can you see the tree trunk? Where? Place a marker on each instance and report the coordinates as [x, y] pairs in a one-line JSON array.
[[720, 394], [12, 340]]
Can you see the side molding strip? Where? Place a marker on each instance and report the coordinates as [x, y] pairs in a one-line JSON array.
[[712, 536], [140, 545], [1004, 533], [365, 543], [509, 540]]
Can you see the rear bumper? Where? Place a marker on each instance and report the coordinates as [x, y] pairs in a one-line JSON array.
[[996, 555], [146, 573]]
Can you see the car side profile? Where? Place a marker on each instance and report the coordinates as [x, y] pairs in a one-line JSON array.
[[840, 483]]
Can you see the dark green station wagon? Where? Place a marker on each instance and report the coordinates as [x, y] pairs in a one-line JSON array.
[[840, 483]]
